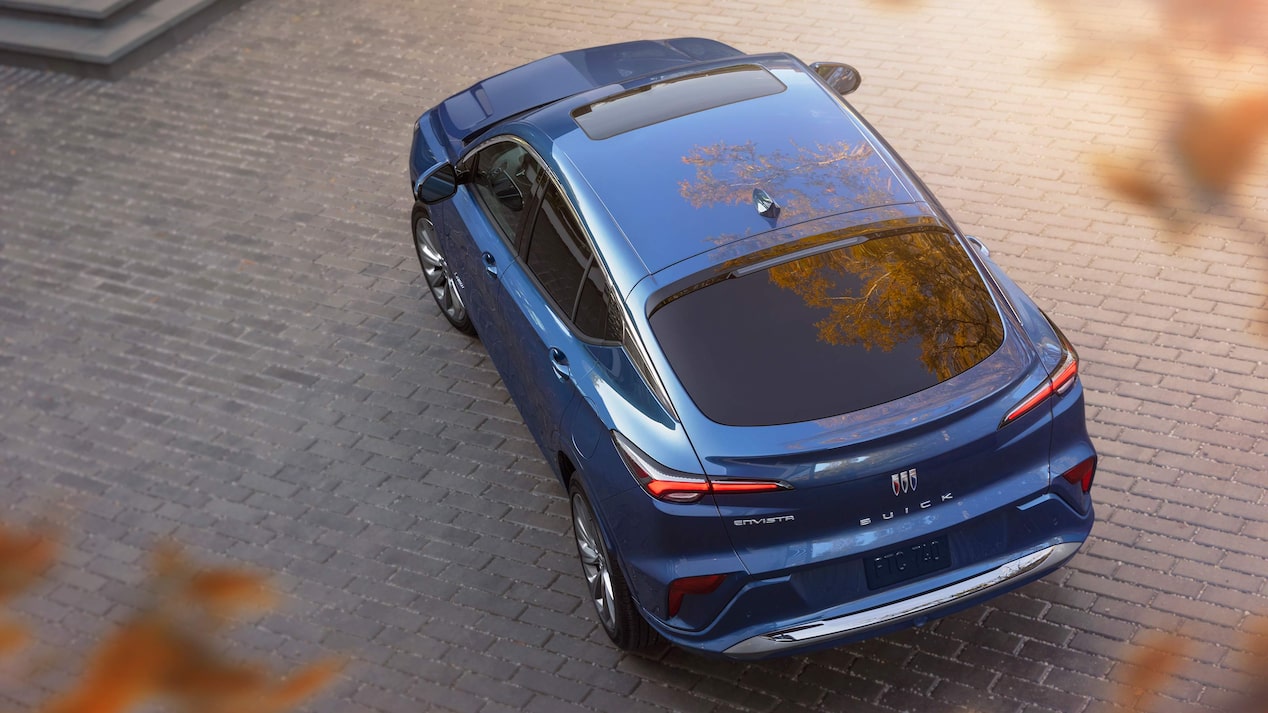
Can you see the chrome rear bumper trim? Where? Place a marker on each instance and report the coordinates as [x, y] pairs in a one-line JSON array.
[[851, 624]]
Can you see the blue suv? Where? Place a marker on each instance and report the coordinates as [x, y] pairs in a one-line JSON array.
[[792, 404]]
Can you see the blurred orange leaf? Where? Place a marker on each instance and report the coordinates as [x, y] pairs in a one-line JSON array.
[[1151, 667], [1133, 183], [152, 658], [224, 591], [122, 671], [1227, 24], [301, 685], [12, 637], [23, 558], [1217, 145]]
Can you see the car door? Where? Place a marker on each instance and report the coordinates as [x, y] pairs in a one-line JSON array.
[[480, 228], [543, 291], [532, 264]]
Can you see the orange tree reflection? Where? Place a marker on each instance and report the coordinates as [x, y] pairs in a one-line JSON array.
[[901, 288], [825, 179]]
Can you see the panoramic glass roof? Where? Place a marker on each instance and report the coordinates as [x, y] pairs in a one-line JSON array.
[[684, 184]]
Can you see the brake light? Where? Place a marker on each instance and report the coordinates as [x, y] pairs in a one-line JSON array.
[[679, 588], [675, 486], [1060, 380], [1082, 474]]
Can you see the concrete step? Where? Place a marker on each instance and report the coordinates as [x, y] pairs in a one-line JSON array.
[[93, 10], [99, 38]]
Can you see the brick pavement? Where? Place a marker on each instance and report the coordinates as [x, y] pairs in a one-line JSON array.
[[214, 331]]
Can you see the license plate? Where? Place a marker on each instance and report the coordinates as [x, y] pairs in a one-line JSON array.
[[907, 562]]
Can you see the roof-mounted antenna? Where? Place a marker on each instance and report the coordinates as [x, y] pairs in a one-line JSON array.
[[765, 205]]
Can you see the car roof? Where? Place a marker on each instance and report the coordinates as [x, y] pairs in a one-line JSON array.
[[681, 180], [468, 113]]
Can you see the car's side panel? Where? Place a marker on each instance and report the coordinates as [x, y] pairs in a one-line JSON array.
[[518, 328], [655, 542], [466, 236], [1070, 446], [541, 347]]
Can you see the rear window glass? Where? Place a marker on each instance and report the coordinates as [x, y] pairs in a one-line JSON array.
[[831, 332]]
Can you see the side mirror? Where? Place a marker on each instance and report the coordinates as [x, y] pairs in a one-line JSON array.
[[437, 184], [841, 77]]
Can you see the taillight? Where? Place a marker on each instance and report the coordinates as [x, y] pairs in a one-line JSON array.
[[1060, 380], [679, 588], [675, 486], [1082, 474]]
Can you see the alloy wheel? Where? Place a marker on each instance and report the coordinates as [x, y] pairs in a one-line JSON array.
[[436, 272], [595, 563]]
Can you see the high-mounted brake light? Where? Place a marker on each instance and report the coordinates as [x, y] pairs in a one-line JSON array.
[[1060, 380], [674, 486]]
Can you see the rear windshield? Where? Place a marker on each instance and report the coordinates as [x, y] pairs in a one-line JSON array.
[[831, 332]]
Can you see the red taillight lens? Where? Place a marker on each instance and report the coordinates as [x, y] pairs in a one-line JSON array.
[[746, 486], [678, 491], [1059, 381], [679, 588], [676, 487], [1082, 474]]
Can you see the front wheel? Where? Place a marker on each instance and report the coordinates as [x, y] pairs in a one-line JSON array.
[[605, 585], [440, 281]]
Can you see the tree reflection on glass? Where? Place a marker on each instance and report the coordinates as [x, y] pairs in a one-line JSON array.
[[886, 291], [805, 181]]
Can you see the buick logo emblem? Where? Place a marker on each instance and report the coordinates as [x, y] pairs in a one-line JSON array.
[[904, 482]]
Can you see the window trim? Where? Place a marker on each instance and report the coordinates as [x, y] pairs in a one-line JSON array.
[[519, 243], [525, 244]]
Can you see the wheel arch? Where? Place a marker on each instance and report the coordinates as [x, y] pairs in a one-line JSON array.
[[566, 469]]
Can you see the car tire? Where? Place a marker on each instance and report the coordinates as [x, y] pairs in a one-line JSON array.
[[436, 273], [605, 584]]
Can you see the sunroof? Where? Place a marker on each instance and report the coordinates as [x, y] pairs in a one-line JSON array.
[[673, 98]]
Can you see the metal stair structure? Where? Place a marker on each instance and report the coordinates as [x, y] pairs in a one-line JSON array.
[[104, 39]]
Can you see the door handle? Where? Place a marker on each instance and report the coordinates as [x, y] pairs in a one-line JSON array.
[[490, 264], [559, 362]]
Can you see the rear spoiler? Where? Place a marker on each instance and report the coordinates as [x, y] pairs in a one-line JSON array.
[[468, 113]]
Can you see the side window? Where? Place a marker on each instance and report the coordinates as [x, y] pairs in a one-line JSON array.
[[598, 314], [503, 177], [558, 253], [561, 259]]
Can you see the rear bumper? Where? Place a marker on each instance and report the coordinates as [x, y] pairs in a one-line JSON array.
[[859, 624]]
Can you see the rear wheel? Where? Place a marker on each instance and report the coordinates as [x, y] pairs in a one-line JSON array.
[[605, 585], [436, 272]]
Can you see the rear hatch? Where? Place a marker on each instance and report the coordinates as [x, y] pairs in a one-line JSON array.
[[870, 376]]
